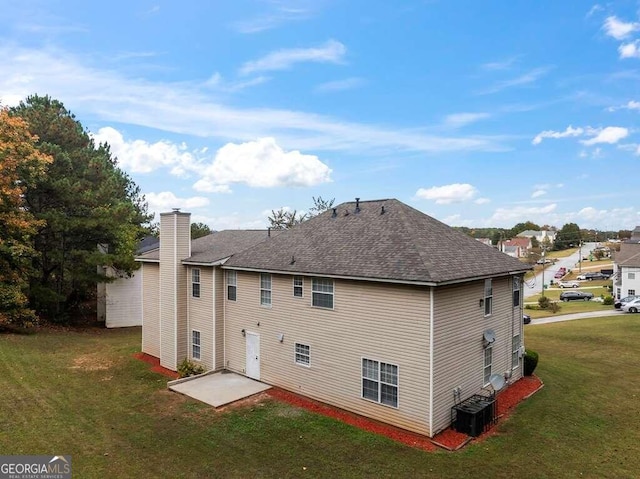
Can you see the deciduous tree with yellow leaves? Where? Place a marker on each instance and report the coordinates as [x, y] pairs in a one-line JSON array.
[[20, 164]]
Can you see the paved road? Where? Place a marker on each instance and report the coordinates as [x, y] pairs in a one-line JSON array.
[[570, 317], [534, 286]]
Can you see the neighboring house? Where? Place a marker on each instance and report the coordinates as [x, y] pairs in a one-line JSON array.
[[516, 247], [626, 265], [372, 306], [539, 235], [119, 303], [485, 241]]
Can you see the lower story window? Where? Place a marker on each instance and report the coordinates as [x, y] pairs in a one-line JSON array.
[[303, 354], [515, 355], [195, 344], [488, 359], [380, 382], [631, 292]]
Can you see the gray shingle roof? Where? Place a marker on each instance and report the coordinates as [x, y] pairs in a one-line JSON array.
[[401, 244], [216, 246]]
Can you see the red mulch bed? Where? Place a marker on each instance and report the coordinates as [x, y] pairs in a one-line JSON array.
[[155, 365], [448, 439]]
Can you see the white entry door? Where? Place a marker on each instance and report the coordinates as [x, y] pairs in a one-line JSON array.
[[253, 355]]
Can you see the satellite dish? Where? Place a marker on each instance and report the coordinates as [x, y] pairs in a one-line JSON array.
[[497, 382], [489, 337]]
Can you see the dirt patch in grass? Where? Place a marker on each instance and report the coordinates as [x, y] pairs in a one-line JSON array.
[[91, 362]]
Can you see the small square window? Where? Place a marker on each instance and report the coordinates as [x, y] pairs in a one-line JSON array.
[[632, 276]]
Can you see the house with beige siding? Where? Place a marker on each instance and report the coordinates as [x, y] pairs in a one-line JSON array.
[[372, 306]]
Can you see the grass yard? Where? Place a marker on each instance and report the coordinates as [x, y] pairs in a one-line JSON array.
[[81, 393], [598, 288]]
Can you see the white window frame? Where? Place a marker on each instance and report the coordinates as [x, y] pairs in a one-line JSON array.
[[379, 382], [195, 283], [486, 367], [300, 356], [232, 285], [515, 351], [317, 292], [265, 289], [517, 290], [631, 292], [298, 287], [488, 297], [196, 345]]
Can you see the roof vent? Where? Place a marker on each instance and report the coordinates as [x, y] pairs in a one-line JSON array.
[[293, 259], [357, 205], [175, 210], [334, 214], [382, 210], [269, 232]]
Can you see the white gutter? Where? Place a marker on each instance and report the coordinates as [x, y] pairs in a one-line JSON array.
[[431, 308]]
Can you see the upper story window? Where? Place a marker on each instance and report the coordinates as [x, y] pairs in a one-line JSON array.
[[265, 289], [631, 276], [232, 285], [488, 297], [322, 292], [516, 291], [195, 283], [298, 286]]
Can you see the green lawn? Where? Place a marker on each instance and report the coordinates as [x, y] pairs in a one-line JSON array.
[[81, 393]]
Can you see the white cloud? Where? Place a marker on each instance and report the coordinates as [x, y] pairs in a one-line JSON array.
[[189, 108], [454, 193], [500, 65], [340, 85], [618, 29], [630, 50], [524, 79], [261, 163], [331, 52], [610, 134], [482, 201], [281, 12], [139, 156], [457, 120], [516, 213], [631, 105], [538, 193], [570, 131], [166, 200]]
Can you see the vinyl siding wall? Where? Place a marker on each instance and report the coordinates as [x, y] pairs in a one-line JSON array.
[[219, 296], [150, 273], [175, 239], [123, 305], [201, 316], [383, 322], [459, 324]]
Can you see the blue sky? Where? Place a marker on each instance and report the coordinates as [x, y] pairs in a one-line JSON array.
[[477, 113]]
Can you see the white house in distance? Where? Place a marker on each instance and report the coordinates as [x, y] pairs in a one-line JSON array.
[[627, 266], [539, 235], [371, 306]]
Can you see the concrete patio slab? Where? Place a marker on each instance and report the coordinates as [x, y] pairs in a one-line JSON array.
[[218, 389]]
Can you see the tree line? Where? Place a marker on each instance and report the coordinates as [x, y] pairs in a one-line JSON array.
[[61, 196]]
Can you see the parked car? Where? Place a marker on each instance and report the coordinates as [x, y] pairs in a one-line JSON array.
[[632, 306], [568, 284], [619, 303], [559, 275], [526, 319], [581, 277], [592, 276], [575, 296]]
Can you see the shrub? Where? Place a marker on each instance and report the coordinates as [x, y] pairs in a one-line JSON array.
[[188, 368], [528, 306], [554, 307], [543, 302], [530, 362], [608, 300]]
